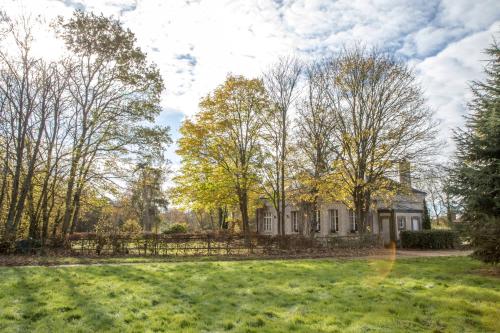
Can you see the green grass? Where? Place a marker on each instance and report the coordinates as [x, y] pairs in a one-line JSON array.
[[410, 295]]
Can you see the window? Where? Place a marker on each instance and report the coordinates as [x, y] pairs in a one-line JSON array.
[[352, 221], [401, 222], [317, 221], [415, 223], [334, 220], [295, 221], [267, 221]]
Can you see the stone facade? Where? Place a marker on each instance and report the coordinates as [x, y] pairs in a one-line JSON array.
[[335, 219]]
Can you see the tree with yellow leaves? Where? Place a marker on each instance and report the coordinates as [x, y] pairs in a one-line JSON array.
[[201, 185], [220, 148]]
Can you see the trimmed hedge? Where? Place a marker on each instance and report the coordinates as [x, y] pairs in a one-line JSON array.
[[429, 239]]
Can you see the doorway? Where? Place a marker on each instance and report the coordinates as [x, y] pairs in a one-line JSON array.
[[385, 229]]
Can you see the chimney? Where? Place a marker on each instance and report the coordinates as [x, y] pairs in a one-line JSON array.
[[405, 173]]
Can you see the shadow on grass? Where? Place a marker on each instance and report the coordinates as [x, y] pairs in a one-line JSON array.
[[93, 314], [307, 294], [54, 301], [256, 296]]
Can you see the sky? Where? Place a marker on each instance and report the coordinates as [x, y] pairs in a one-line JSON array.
[[196, 43]]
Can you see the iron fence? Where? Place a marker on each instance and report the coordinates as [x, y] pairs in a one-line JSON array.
[[212, 244]]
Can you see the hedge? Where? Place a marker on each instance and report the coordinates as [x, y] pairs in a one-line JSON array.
[[429, 239]]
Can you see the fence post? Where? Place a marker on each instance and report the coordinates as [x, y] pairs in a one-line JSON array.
[[156, 244], [209, 247]]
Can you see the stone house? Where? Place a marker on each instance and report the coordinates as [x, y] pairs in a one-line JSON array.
[[333, 219]]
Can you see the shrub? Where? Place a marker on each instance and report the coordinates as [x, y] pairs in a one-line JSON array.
[[176, 228], [105, 227], [131, 228], [27, 246], [6, 247], [485, 239], [429, 239]]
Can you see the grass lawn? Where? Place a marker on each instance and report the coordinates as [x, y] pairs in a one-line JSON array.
[[410, 295]]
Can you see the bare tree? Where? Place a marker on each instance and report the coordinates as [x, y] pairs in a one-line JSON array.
[[281, 82], [26, 93], [314, 149], [65, 123], [380, 119], [434, 180]]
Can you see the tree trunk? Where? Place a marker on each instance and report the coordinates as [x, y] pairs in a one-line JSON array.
[[45, 218], [57, 221], [33, 231], [33, 155], [69, 195], [282, 171], [361, 194], [222, 216], [76, 210], [3, 189], [360, 212], [10, 230], [243, 203]]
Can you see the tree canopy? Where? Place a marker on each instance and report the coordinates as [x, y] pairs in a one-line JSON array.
[[476, 173]]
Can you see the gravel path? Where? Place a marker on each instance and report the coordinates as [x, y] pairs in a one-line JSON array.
[[389, 254]]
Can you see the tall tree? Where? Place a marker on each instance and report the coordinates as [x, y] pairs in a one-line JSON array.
[[380, 120], [30, 101], [476, 173], [230, 120], [281, 82], [147, 195], [202, 185], [113, 89], [434, 180], [70, 126]]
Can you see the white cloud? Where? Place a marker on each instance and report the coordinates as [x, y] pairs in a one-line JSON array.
[[447, 75], [196, 43], [473, 15]]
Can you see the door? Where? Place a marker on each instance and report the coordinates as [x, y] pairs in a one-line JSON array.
[[386, 234]]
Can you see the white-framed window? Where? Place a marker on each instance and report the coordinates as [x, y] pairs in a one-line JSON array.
[[334, 220], [268, 221], [402, 222], [353, 221], [295, 221], [317, 221], [415, 223]]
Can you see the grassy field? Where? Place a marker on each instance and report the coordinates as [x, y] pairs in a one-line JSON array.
[[410, 295]]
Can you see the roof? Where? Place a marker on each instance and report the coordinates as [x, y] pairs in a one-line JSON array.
[[398, 184], [414, 190]]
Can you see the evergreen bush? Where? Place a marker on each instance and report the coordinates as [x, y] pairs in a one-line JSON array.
[[176, 228]]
